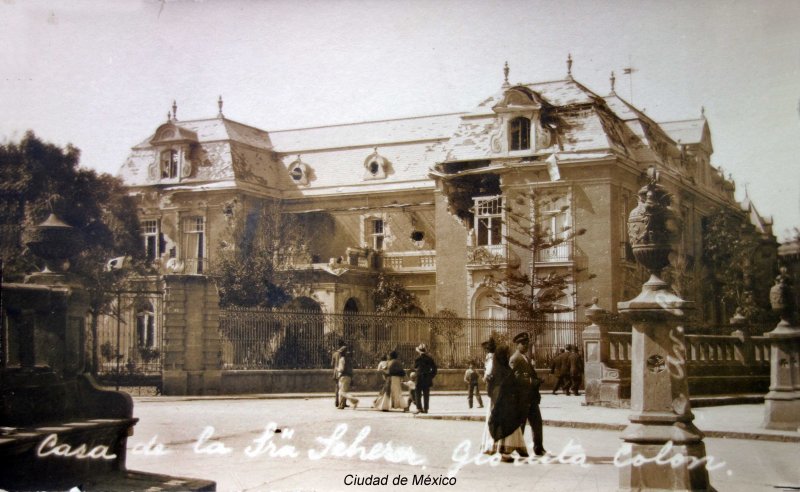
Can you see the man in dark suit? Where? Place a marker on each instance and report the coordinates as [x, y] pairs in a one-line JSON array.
[[575, 369], [335, 364], [528, 386], [560, 369], [426, 370]]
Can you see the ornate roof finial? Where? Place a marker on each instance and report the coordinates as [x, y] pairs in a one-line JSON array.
[[569, 65], [174, 110], [613, 81], [169, 116], [219, 103], [703, 112], [505, 75]]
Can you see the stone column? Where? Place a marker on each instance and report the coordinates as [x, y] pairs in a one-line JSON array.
[[782, 403], [744, 350], [192, 347], [661, 422]]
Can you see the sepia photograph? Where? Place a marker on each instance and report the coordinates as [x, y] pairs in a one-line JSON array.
[[384, 245]]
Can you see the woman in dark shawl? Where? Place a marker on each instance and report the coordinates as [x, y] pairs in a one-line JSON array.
[[505, 417]]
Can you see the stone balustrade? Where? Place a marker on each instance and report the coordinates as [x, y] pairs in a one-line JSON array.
[[716, 364]]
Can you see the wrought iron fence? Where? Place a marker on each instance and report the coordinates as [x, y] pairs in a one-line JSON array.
[[259, 339]]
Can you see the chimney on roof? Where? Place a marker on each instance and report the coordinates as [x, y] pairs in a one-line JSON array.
[[613, 80], [506, 85], [569, 65], [219, 103]]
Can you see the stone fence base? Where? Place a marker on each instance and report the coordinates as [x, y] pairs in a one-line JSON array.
[[321, 381]]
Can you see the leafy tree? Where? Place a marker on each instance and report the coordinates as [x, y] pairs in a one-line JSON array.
[[732, 252], [530, 220], [260, 246], [390, 296], [39, 177]]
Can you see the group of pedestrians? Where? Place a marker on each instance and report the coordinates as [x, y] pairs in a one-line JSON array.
[[392, 372], [512, 386], [567, 368]]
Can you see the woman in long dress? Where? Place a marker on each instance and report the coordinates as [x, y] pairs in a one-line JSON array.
[[490, 346], [505, 417], [393, 396]]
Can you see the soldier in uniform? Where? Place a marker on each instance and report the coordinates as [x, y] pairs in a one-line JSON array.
[[528, 385]]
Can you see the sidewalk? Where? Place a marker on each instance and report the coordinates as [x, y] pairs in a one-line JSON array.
[[741, 421], [738, 421]]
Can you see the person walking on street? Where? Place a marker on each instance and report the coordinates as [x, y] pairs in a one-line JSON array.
[[392, 395], [506, 413], [344, 372], [575, 369], [382, 379], [528, 386], [490, 346], [426, 370], [471, 378], [335, 366], [560, 369], [411, 384]]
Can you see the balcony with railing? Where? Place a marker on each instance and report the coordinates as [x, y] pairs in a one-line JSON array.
[[558, 253], [491, 255], [410, 261]]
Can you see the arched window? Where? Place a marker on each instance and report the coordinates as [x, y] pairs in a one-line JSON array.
[[487, 308], [519, 132]]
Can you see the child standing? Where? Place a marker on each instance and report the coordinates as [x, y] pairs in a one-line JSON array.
[[411, 384], [471, 378]]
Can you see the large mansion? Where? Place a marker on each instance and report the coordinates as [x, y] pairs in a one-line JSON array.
[[423, 199]]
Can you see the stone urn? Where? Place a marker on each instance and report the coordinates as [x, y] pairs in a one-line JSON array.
[[652, 226], [781, 298], [55, 242]]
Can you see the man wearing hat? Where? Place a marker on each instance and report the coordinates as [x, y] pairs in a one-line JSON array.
[[335, 364], [426, 370], [344, 372], [528, 383]]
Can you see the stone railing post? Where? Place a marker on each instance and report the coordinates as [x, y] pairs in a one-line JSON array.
[[744, 349], [603, 386], [782, 403], [192, 346], [661, 423]]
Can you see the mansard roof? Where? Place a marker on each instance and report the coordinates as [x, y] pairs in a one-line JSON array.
[[574, 122], [221, 150], [689, 132]]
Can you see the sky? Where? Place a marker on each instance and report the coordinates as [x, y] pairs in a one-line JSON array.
[[102, 75]]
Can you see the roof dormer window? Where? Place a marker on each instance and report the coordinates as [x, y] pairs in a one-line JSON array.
[[519, 133], [376, 166], [169, 164]]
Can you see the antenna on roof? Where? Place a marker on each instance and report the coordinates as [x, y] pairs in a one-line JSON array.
[[505, 76], [569, 65], [219, 103], [174, 110], [613, 80], [629, 72]]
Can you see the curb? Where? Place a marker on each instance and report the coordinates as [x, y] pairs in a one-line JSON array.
[[753, 436]]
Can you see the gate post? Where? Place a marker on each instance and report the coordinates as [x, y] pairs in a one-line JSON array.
[[192, 346], [782, 403]]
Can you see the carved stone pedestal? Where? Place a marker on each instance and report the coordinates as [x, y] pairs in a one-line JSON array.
[[663, 448]]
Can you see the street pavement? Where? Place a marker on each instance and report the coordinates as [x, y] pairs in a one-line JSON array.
[[231, 440]]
